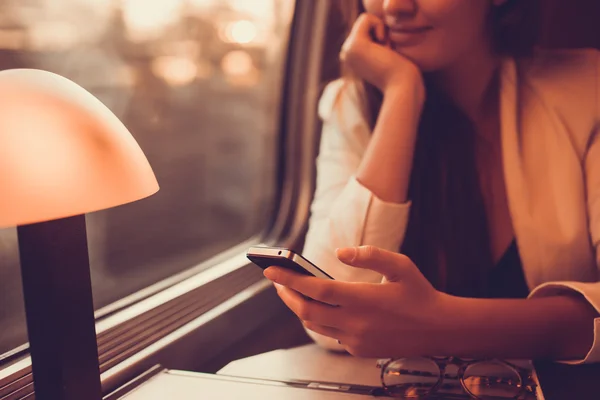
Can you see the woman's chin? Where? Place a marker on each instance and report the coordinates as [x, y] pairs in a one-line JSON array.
[[424, 60]]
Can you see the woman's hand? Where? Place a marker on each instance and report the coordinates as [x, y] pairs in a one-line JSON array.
[[377, 63], [402, 316]]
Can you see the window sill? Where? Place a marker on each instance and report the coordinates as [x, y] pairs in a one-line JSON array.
[[181, 326]]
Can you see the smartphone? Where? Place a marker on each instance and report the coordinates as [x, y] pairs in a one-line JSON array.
[[266, 257]]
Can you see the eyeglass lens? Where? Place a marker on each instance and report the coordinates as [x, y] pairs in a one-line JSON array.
[[412, 377], [491, 380], [486, 380]]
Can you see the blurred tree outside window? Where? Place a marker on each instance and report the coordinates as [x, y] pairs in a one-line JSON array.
[[198, 84]]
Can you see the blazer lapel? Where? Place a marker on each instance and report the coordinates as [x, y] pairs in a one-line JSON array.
[[544, 185]]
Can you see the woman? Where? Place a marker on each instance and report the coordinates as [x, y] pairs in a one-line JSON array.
[[476, 158]]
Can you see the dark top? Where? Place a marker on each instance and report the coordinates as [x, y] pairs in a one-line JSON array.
[[506, 279], [558, 381]]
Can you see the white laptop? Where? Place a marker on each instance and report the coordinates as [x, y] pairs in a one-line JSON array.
[[180, 385]]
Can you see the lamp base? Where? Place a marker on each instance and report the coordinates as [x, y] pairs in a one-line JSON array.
[[59, 309]]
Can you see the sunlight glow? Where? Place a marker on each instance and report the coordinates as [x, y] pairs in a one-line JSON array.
[[52, 36], [203, 4], [146, 19], [239, 69], [176, 71], [236, 63], [263, 10], [242, 32]]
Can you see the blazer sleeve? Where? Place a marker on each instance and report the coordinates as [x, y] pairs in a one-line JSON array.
[[589, 291], [343, 212]]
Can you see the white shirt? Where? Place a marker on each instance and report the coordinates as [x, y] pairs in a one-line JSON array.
[[550, 134]]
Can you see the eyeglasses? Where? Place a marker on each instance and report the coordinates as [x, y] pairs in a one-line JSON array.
[[481, 379]]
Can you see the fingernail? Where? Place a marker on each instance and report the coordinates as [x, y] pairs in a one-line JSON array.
[[270, 274], [346, 254]]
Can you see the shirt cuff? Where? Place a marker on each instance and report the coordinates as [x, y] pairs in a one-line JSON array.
[[591, 293], [385, 222]]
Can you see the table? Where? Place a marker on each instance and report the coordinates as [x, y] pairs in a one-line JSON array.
[[263, 376], [558, 381], [181, 385], [310, 362]]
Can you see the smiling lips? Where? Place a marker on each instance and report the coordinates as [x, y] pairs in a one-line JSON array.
[[407, 35]]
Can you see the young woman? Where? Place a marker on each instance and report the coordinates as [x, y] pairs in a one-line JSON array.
[[464, 168]]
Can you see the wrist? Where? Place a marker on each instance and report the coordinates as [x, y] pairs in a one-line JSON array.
[[450, 311], [411, 90], [403, 104], [555, 327]]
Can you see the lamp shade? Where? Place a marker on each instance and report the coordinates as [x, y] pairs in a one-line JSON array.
[[63, 152]]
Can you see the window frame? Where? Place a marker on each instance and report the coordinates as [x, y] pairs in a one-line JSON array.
[[203, 338]]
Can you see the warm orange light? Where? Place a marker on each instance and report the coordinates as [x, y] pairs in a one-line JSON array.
[[242, 32], [145, 19], [63, 152], [236, 63], [176, 71]]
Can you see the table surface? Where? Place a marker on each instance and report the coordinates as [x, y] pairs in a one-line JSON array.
[[308, 362], [312, 363], [180, 385], [558, 381], [264, 376]]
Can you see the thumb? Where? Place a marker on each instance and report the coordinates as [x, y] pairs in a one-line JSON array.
[[393, 266]]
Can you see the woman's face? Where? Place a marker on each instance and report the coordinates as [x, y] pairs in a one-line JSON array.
[[434, 33]]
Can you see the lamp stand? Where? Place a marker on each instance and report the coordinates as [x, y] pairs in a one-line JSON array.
[[59, 309]]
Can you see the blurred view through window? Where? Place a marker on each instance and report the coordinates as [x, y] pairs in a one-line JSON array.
[[198, 84]]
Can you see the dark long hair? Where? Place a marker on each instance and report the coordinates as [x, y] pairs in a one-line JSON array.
[[447, 235]]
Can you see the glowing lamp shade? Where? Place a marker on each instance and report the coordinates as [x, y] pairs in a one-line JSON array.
[[63, 152]]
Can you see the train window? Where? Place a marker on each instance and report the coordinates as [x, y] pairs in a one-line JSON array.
[[198, 84]]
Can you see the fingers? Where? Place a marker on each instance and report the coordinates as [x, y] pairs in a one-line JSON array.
[[381, 32], [326, 291], [365, 27], [393, 266], [368, 24], [310, 311], [328, 331]]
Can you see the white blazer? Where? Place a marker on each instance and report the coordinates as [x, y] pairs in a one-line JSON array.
[[550, 128]]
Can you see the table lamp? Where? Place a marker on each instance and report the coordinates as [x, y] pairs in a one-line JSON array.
[[62, 154]]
